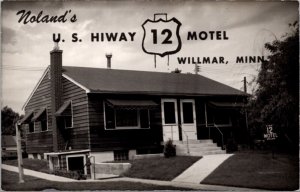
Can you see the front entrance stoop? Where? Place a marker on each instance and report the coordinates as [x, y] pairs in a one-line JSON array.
[[197, 147]]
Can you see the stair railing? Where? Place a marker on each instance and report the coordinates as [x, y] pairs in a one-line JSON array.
[[187, 141], [221, 135]]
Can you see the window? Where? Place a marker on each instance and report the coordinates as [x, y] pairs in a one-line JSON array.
[[41, 118], [76, 163], [187, 110], [31, 127], [126, 118], [121, 155], [122, 118], [220, 117], [68, 121], [169, 112], [68, 116], [43, 121]]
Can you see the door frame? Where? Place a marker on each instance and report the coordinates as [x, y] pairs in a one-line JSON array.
[[172, 125], [194, 117]]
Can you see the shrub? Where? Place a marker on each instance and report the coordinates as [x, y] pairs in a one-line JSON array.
[[231, 145], [169, 149], [69, 174]]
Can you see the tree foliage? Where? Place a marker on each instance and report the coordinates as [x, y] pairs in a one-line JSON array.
[[276, 99], [176, 70], [8, 120]]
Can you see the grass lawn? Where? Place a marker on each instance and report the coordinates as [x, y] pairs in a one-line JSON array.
[[33, 164], [160, 168], [10, 183], [256, 170]]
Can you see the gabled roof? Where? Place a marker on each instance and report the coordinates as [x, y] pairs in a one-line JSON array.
[[99, 80]]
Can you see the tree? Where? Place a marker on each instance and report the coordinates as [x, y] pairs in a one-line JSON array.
[[276, 99], [176, 71], [8, 120]]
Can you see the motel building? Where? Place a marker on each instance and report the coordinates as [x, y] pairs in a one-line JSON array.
[[75, 113]]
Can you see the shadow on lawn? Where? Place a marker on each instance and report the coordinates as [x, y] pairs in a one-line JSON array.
[[10, 183], [257, 170]]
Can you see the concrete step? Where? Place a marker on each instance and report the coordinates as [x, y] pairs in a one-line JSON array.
[[199, 149], [202, 153], [194, 141], [198, 145]]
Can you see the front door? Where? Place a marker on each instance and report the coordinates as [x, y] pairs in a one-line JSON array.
[[188, 119], [169, 119]]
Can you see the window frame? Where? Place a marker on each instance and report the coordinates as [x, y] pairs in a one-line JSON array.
[[125, 127], [163, 111], [77, 155], [208, 124], [46, 121], [72, 118], [33, 123]]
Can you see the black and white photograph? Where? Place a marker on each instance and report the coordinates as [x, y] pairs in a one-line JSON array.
[[146, 95]]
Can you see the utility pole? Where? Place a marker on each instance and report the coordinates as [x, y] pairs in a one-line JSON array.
[[245, 85], [246, 115], [19, 152], [197, 69]]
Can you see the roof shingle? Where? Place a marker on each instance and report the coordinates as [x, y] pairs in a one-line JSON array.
[[99, 80]]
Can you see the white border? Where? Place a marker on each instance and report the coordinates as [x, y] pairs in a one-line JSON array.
[[163, 111], [76, 83], [79, 155]]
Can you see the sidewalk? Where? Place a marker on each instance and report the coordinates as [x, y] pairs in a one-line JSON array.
[[37, 174], [202, 168], [147, 181]]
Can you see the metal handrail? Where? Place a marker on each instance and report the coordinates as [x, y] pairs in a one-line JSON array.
[[221, 135], [187, 141]]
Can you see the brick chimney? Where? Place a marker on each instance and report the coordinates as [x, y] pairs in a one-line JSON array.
[[56, 92], [108, 56]]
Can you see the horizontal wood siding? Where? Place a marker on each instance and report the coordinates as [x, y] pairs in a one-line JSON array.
[[107, 140], [78, 136], [40, 142]]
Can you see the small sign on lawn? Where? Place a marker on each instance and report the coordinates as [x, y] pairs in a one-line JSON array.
[[270, 134]]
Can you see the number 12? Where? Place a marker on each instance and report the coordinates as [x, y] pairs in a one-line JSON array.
[[167, 40]]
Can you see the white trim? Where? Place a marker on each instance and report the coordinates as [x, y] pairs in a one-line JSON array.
[[79, 155], [163, 111], [36, 86], [76, 83], [126, 127], [66, 152], [194, 111], [72, 123]]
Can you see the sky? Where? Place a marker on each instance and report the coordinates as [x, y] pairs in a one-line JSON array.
[[26, 47]]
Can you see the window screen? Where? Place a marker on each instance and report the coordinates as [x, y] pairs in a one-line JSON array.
[[188, 115], [169, 112], [43, 120], [109, 117], [126, 118], [31, 127], [76, 163]]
